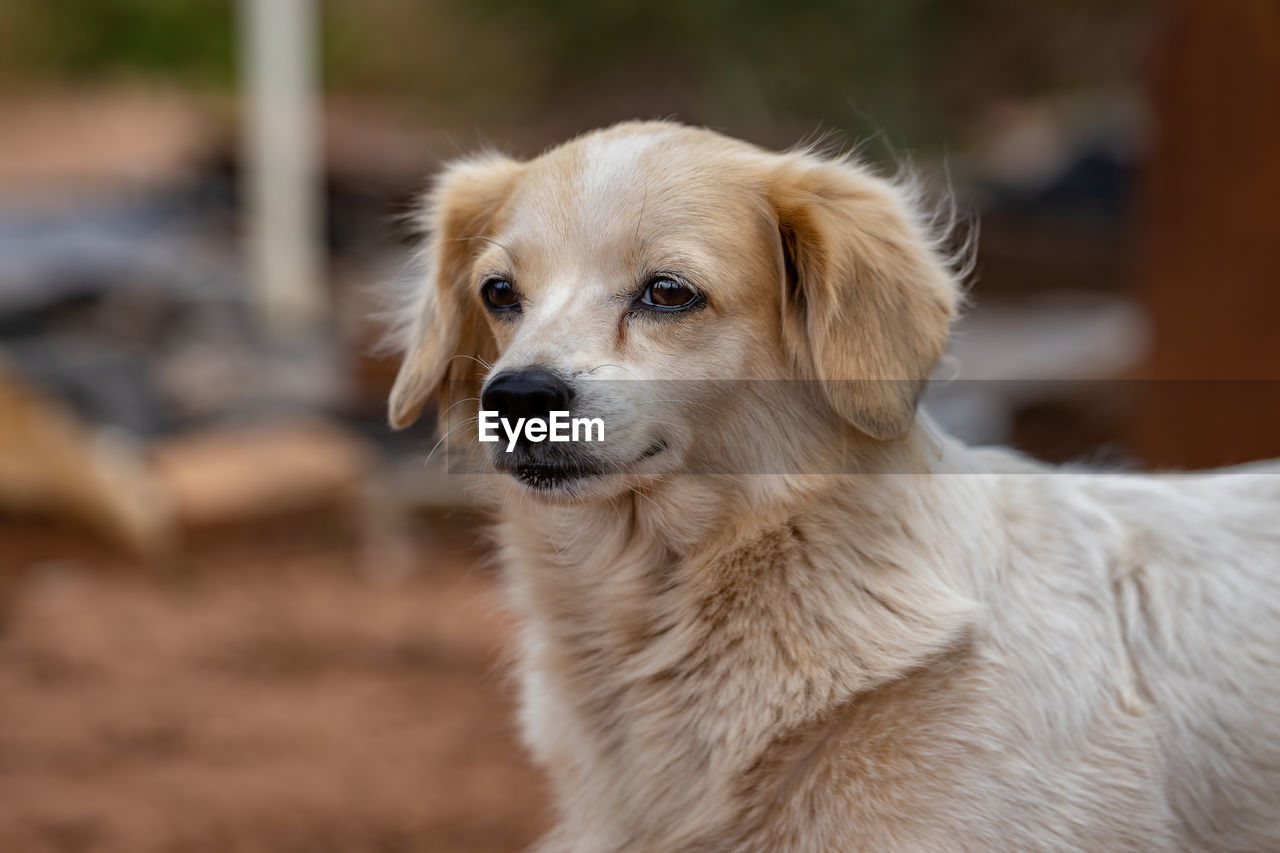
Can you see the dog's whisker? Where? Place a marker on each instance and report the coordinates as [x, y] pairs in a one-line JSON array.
[[466, 423], [603, 366], [459, 402], [477, 359]]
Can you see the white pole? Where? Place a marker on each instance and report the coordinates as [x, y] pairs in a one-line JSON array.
[[281, 147]]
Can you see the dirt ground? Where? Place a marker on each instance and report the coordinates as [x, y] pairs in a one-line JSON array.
[[267, 695]]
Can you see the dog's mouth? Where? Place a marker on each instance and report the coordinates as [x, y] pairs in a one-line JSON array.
[[563, 475], [546, 477]]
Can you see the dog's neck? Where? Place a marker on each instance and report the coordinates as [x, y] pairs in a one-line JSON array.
[[610, 563], [649, 536], [630, 607]]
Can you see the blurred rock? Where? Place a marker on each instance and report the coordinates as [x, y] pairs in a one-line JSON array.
[[54, 467], [285, 472], [231, 475]]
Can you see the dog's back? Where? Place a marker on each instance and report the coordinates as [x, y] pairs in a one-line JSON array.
[[1199, 605]]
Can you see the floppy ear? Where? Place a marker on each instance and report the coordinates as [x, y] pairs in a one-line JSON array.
[[442, 321], [868, 301]]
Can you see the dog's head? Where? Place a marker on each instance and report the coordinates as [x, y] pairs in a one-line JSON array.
[[598, 277]]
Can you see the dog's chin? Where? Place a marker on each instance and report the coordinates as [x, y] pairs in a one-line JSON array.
[[576, 480]]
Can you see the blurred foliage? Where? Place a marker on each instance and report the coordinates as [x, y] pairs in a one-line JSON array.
[[914, 67], [774, 71], [79, 40]]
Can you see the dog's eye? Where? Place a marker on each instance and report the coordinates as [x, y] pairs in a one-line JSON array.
[[499, 295], [667, 294]]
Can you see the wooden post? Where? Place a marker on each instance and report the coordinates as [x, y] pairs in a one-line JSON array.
[[282, 176], [1209, 254]]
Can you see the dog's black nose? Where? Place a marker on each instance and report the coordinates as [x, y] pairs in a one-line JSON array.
[[533, 393]]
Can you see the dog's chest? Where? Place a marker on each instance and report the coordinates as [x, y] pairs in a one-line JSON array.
[[646, 681], [673, 693]]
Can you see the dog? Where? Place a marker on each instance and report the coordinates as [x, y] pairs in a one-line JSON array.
[[780, 610]]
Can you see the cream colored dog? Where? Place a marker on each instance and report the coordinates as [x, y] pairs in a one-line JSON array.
[[844, 630]]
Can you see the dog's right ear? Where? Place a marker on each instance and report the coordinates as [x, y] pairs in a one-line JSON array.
[[445, 337]]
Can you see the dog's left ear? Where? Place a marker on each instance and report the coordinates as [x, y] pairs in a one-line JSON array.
[[868, 300]]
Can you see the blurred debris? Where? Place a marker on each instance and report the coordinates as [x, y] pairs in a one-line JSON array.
[[123, 298], [1052, 352], [1052, 181], [134, 309], [235, 474], [285, 470], [51, 466], [84, 143]]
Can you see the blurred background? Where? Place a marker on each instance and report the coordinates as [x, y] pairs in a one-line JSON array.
[[238, 614]]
